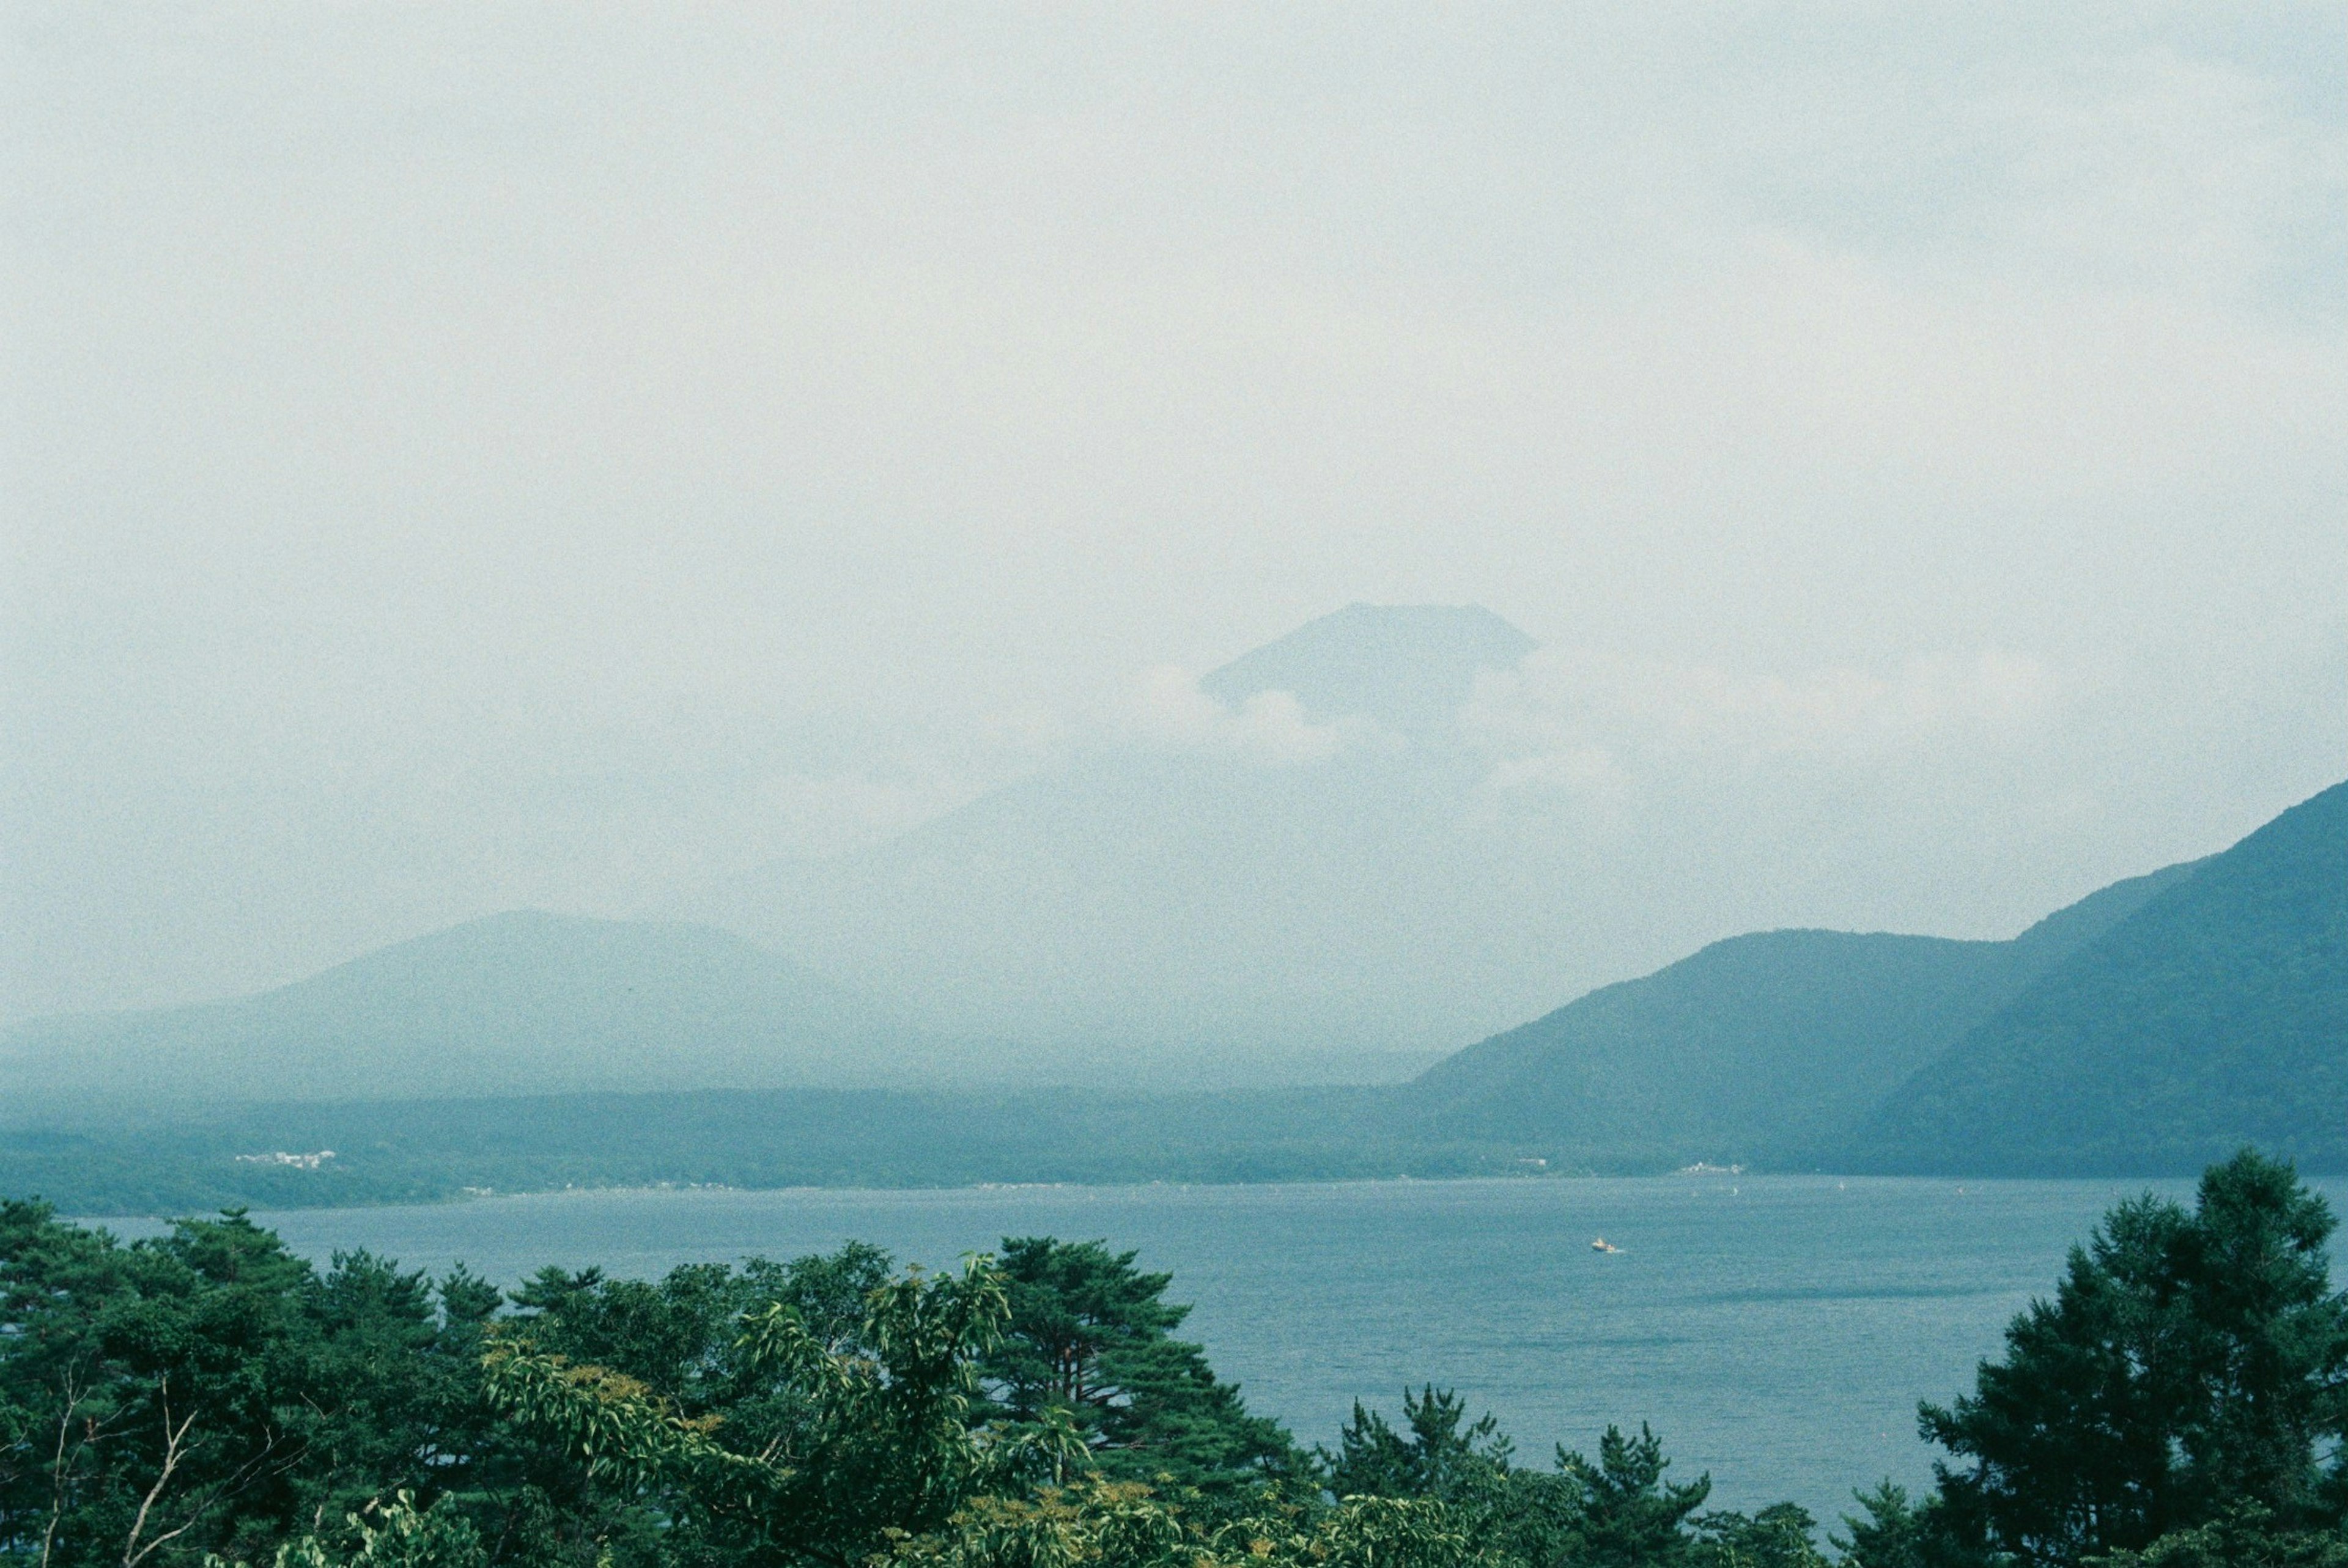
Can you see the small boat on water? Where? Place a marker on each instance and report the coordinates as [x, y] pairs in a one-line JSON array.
[[1603, 1244]]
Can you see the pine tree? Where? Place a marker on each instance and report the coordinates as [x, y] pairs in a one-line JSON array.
[[1092, 1336], [1628, 1515], [2187, 1364]]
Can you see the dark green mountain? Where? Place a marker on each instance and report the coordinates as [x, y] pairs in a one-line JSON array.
[[1760, 1048], [522, 1003], [2217, 1015]]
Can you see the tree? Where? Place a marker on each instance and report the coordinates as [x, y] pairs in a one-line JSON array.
[[1091, 1337], [398, 1535], [1093, 1522], [1625, 1515], [1440, 1458], [2244, 1537], [679, 1333], [2264, 1343], [872, 1441], [1776, 1537], [1898, 1534], [206, 1390], [2188, 1363]]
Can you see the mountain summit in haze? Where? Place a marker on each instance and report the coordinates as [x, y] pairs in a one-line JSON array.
[[1195, 898], [1408, 668]]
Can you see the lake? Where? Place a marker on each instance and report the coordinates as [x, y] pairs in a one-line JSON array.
[[1777, 1331]]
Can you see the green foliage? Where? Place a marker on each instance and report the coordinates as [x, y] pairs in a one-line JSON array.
[[1440, 1458], [974, 1419], [2187, 1363], [1618, 1512], [1358, 1532], [1627, 1515], [1779, 1536], [206, 1398], [1113, 1524], [612, 1423], [208, 1390], [813, 1413], [394, 1535], [1898, 1534], [784, 1441], [2243, 1537], [1098, 1523], [1091, 1337]]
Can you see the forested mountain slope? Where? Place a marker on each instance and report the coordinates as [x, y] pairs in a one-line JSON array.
[[1763, 1047], [2215, 1016], [522, 1003]]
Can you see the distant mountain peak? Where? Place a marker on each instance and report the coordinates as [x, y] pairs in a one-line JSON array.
[[1404, 666], [525, 1001]]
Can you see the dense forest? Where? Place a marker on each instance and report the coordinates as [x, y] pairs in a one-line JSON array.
[[2211, 1018], [205, 1397], [423, 1150]]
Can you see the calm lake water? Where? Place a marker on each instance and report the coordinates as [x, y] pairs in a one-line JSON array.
[[1776, 1331]]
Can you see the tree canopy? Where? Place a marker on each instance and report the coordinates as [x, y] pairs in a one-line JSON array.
[[208, 1397]]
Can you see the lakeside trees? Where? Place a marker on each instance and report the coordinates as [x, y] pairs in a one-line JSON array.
[[206, 1396], [2190, 1375]]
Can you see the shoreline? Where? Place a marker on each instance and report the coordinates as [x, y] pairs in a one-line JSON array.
[[1764, 1181]]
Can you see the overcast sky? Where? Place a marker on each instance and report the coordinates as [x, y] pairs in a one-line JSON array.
[[462, 456]]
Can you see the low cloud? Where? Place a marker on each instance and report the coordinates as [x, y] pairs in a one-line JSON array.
[[1166, 711], [436, 487], [1587, 721]]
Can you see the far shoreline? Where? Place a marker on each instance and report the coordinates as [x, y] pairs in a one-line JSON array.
[[155, 1220]]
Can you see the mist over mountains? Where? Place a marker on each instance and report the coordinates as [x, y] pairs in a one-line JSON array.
[[1764, 1048], [1397, 829], [1292, 872], [514, 1004], [2166, 1017], [1286, 857], [2215, 1016]]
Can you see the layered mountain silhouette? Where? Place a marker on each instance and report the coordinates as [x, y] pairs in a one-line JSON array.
[[1202, 895], [1767, 1048], [1303, 883], [523, 1002], [2151, 1028], [2215, 1016]]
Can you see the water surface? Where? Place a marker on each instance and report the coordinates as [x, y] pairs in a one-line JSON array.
[[1777, 1331]]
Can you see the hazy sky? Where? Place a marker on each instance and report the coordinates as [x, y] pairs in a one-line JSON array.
[[462, 456]]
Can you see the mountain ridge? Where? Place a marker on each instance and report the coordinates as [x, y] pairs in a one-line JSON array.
[[515, 1002], [1762, 1047], [2215, 1015], [1749, 1049]]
